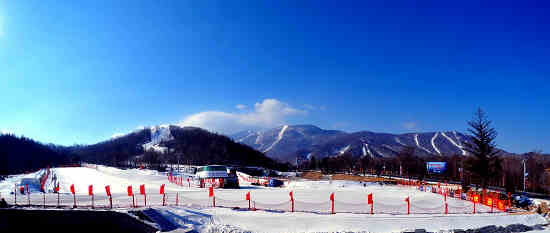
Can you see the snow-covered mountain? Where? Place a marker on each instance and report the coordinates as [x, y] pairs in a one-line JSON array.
[[159, 134], [190, 144], [288, 141]]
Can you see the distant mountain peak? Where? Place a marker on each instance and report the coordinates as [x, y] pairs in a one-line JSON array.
[[288, 141]]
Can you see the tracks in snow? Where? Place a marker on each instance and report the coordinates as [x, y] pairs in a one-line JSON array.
[[454, 143], [433, 143], [418, 144], [279, 137]]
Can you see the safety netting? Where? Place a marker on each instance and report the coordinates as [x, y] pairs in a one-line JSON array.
[[399, 201], [231, 203], [282, 206], [320, 207]]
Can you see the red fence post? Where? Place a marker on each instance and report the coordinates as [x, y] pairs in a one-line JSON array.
[[211, 194], [28, 194], [445, 198], [332, 200], [108, 191], [163, 195], [408, 205], [247, 197], [371, 202], [74, 195], [91, 193], [142, 192], [475, 198], [131, 194], [509, 200], [291, 200], [491, 202]]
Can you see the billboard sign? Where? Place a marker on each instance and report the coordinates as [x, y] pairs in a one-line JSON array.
[[436, 167]]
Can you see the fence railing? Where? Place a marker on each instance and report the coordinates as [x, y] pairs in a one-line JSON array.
[[191, 199]]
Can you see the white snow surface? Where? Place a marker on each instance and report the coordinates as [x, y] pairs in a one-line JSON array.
[[344, 149], [279, 137], [418, 144], [433, 143], [399, 141], [366, 146], [250, 133], [195, 212], [454, 143], [158, 134]]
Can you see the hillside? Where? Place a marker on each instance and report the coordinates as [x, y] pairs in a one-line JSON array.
[[158, 145], [170, 144], [21, 154], [288, 141]]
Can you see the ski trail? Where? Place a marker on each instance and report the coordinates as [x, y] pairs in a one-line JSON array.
[[247, 136], [279, 137], [366, 150], [380, 153], [343, 150], [399, 141], [258, 138], [418, 144], [433, 143], [454, 143]]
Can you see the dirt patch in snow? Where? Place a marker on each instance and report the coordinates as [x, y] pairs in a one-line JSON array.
[[360, 178], [312, 175], [319, 176]]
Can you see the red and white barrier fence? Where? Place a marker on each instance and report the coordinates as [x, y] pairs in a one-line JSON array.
[[448, 204]]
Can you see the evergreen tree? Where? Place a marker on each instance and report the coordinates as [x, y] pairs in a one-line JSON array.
[[485, 162]]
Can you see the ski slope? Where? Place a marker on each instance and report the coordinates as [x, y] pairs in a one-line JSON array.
[[194, 209], [279, 138]]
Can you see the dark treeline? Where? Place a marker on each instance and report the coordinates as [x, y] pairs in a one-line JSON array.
[[191, 145], [196, 146], [21, 154], [484, 166], [412, 165], [114, 152]]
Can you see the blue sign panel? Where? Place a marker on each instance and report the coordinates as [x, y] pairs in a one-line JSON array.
[[436, 167]]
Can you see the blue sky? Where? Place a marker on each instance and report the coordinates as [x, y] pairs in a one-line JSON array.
[[81, 71]]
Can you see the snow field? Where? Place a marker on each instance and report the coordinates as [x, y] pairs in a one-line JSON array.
[[312, 204], [309, 196]]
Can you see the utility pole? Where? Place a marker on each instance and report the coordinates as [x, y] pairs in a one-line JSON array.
[[296, 163], [523, 161], [462, 170]]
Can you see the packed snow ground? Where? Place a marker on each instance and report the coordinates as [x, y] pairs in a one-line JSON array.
[[195, 209]]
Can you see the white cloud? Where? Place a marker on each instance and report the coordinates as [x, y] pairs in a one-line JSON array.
[[117, 135], [241, 106], [410, 125], [6, 131], [266, 114]]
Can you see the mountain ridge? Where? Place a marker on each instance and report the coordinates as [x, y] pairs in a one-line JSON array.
[[288, 142]]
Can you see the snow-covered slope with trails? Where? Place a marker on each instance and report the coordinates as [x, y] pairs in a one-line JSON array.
[[287, 141], [279, 138], [159, 134]]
